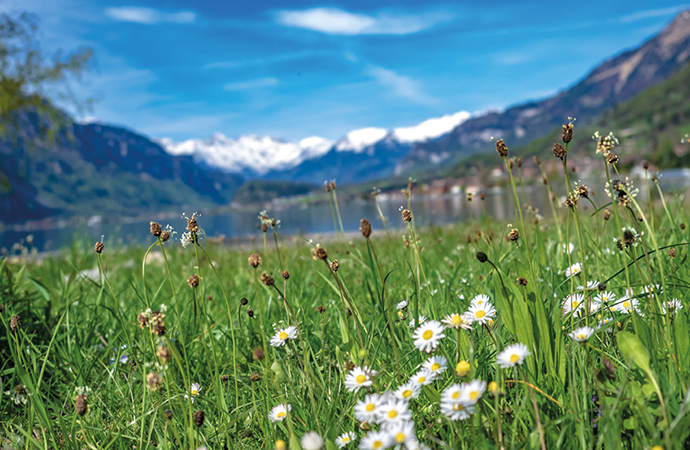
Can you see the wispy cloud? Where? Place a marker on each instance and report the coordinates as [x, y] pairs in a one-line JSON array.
[[400, 85], [338, 21], [658, 12], [251, 84], [148, 16]]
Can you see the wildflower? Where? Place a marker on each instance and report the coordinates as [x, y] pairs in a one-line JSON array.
[[401, 305], [344, 439], [621, 191], [375, 440], [456, 410], [367, 409], [581, 334], [512, 355], [312, 441], [482, 313], [427, 336], [319, 253], [573, 304], [480, 299], [452, 393], [359, 377], [605, 297], [605, 143], [436, 365], [652, 289], [285, 275], [281, 445], [199, 417], [457, 321], [283, 335], [473, 391], [462, 368], [19, 394], [408, 391], [672, 305], [573, 270], [153, 381], [402, 434], [194, 390], [393, 411], [279, 413], [423, 377]]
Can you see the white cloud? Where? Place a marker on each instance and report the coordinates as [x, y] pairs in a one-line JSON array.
[[251, 84], [148, 16], [400, 85], [659, 12], [338, 21]]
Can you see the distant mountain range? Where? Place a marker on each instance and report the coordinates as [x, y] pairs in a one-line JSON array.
[[94, 168]]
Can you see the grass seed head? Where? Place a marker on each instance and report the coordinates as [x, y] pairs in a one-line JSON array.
[[193, 281], [567, 132], [267, 279], [365, 228], [99, 247], [558, 150], [254, 260], [406, 216], [156, 229], [285, 275], [81, 405], [15, 324], [501, 148], [199, 417]]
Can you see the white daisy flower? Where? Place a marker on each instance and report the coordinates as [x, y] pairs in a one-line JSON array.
[[427, 336], [569, 248], [573, 303], [279, 413], [193, 390], [452, 393], [472, 391], [420, 321], [604, 321], [456, 410], [403, 436], [423, 377], [375, 440], [512, 355], [652, 289], [402, 304], [359, 377], [672, 305], [436, 365], [366, 410], [573, 270], [408, 391], [594, 306], [393, 411], [345, 439], [312, 441], [626, 305], [458, 321], [605, 297], [482, 313], [480, 299], [581, 334], [283, 335]]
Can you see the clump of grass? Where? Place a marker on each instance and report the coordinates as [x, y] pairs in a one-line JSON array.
[[568, 333]]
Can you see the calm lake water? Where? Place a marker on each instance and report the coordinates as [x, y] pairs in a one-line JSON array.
[[310, 221]]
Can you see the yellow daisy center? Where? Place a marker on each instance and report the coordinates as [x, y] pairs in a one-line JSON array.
[[514, 358], [345, 439], [427, 335], [422, 379], [581, 336], [400, 437], [407, 393], [360, 379], [280, 415], [456, 319], [194, 392], [458, 407], [480, 314], [435, 366], [456, 395], [282, 335], [474, 395], [575, 269], [604, 298], [370, 407], [626, 304], [377, 445], [575, 304], [392, 414]]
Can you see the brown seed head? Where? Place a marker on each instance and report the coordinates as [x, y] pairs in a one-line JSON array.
[[99, 247], [250, 312], [153, 381], [349, 366], [199, 418], [406, 216], [558, 150], [156, 229], [328, 187], [406, 243], [335, 265], [607, 214], [640, 218], [672, 252], [537, 161], [501, 148], [15, 324], [410, 185], [522, 281], [81, 405], [158, 328], [164, 354], [244, 301], [654, 179], [365, 227], [519, 161], [258, 353], [264, 227], [482, 195], [468, 239], [645, 165], [514, 234], [143, 320], [165, 235], [193, 281], [192, 225], [224, 378], [582, 191], [267, 279], [254, 260], [333, 184], [469, 197], [321, 309], [682, 226], [254, 377], [168, 414], [318, 252], [481, 256], [285, 275], [567, 132], [570, 202], [511, 163], [611, 158]]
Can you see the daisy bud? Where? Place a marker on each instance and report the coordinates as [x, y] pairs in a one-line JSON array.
[[280, 444], [493, 388], [462, 369]]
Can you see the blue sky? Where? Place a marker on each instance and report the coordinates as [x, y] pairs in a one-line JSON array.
[[292, 69]]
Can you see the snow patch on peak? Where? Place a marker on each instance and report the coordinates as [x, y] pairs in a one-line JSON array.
[[357, 140], [431, 128]]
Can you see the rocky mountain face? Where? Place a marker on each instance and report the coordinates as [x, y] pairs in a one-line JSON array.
[[613, 82]]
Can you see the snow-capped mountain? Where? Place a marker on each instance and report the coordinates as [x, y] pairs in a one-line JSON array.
[[261, 155]]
